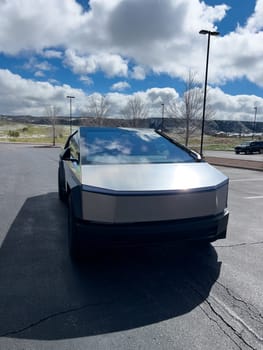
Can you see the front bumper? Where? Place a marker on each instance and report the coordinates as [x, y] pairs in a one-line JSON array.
[[208, 228]]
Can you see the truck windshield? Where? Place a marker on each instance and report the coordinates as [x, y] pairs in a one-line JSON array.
[[129, 146]]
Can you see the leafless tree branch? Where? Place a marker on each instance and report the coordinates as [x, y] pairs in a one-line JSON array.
[[98, 107], [135, 109], [190, 107]]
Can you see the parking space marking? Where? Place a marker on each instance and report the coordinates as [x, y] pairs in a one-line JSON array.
[[254, 197]]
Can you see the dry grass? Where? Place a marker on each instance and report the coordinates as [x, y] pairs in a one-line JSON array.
[[44, 134], [14, 132], [211, 143]]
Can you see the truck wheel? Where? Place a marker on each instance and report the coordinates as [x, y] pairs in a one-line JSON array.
[[62, 194], [74, 244], [79, 249]]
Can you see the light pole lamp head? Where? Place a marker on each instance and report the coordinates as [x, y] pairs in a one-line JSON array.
[[204, 31]]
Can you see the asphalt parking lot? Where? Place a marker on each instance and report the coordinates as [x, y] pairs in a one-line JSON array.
[[182, 297]]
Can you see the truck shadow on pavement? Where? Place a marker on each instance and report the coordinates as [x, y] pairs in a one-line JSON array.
[[44, 296]]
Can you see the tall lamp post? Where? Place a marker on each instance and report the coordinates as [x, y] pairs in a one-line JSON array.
[[208, 33], [70, 112], [162, 116], [255, 120]]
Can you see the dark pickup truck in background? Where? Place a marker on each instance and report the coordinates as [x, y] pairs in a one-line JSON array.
[[250, 147]]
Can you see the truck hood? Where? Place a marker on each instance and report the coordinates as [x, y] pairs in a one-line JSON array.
[[152, 177]]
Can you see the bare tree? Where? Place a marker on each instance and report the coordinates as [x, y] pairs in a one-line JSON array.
[[98, 107], [52, 112], [190, 107], [135, 109]]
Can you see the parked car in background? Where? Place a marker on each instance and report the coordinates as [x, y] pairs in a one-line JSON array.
[[137, 186], [249, 147]]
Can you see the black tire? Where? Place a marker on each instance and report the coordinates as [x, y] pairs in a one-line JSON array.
[[74, 241], [79, 249], [62, 193]]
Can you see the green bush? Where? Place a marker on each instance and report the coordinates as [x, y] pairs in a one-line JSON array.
[[13, 133]]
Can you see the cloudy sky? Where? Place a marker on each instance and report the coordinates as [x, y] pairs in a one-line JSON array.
[[121, 48]]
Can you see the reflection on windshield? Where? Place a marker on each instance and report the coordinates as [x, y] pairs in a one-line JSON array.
[[128, 146]]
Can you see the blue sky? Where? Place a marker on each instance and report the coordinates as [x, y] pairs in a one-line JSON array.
[[237, 14], [123, 48]]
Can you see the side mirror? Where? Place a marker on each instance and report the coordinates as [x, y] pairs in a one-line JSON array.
[[65, 155], [196, 155]]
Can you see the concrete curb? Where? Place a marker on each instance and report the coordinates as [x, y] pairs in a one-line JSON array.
[[236, 163]]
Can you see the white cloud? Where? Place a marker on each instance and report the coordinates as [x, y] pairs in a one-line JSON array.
[[46, 66], [120, 86], [87, 80], [239, 107], [53, 82], [239, 54], [157, 96], [128, 39], [34, 65], [34, 25], [39, 73], [23, 96], [52, 54], [160, 36], [111, 65], [236, 56], [135, 22], [138, 73], [255, 22], [153, 34]]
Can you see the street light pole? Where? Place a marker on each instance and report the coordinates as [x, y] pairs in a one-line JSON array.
[[208, 33], [255, 120], [70, 112], [162, 116]]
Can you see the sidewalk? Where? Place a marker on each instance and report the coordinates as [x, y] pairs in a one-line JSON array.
[[235, 163]]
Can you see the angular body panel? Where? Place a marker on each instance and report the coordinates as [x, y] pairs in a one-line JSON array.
[[154, 192], [125, 208]]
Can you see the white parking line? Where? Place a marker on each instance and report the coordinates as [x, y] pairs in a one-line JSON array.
[[254, 197]]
